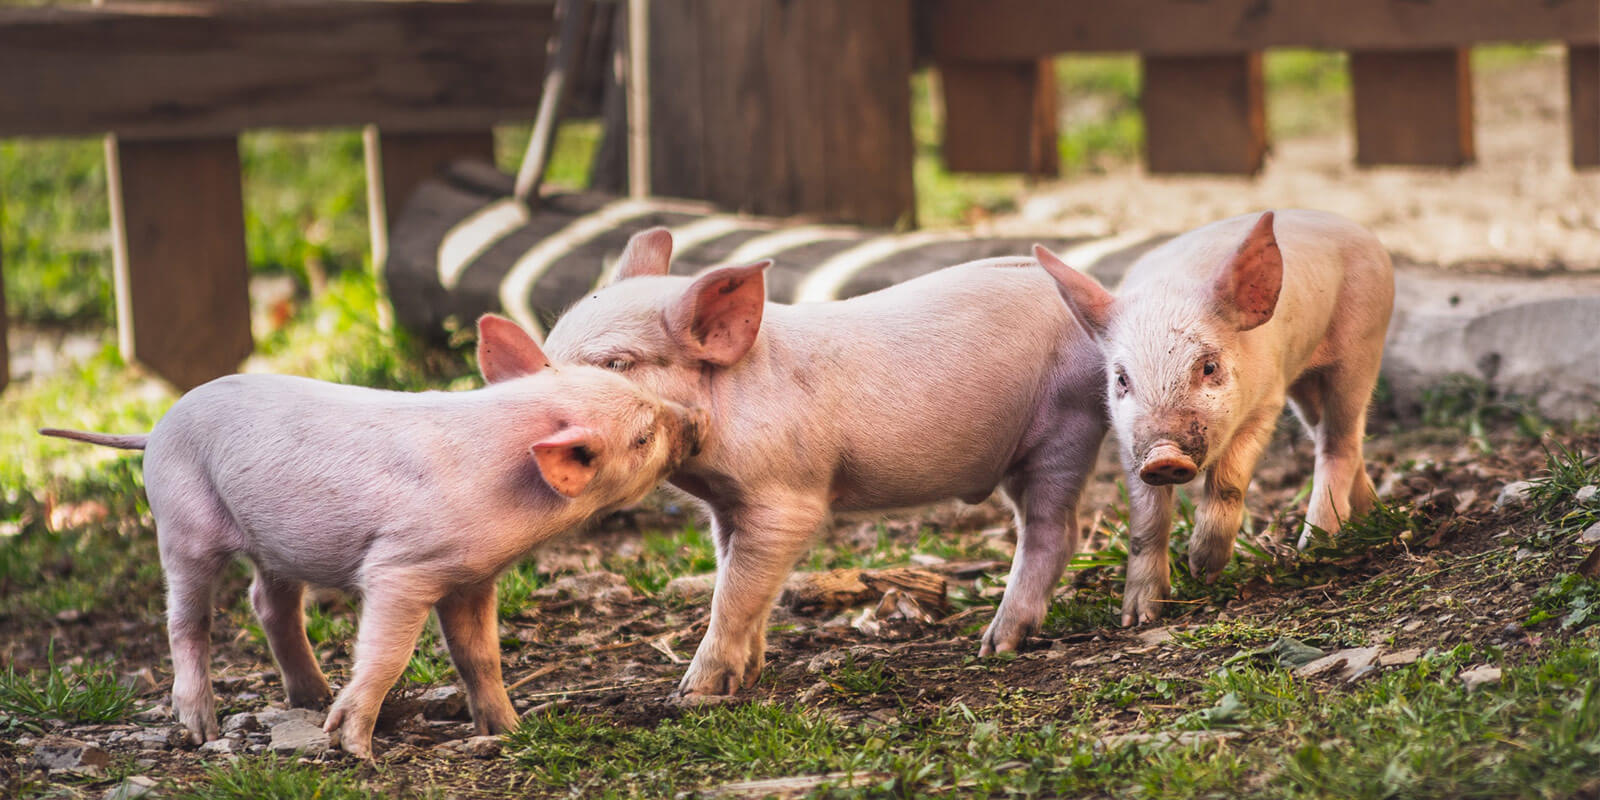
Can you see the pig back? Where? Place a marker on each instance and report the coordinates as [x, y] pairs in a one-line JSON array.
[[928, 389]]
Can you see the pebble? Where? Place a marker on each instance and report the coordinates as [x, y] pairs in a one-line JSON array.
[[1586, 495], [156, 713], [60, 752], [243, 722], [130, 788], [1513, 494], [164, 738], [218, 747], [299, 730], [1349, 662], [1590, 535], [445, 702], [1400, 657], [1480, 676], [482, 747]]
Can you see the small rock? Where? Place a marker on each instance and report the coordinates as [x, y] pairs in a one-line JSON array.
[[1513, 494], [1348, 662], [272, 717], [1590, 535], [160, 738], [1586, 495], [219, 747], [299, 731], [1154, 636], [827, 660], [445, 702], [690, 587], [130, 788], [60, 752], [598, 587], [928, 560], [1480, 676], [482, 747], [1400, 657], [243, 722], [1166, 738]]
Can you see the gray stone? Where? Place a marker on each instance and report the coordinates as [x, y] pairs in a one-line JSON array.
[[1400, 657], [1513, 494], [272, 717], [1586, 495], [156, 713], [1480, 676], [164, 738], [243, 722], [482, 747], [219, 747], [300, 733], [445, 702], [594, 588], [1590, 535], [690, 587], [130, 788], [1348, 663], [60, 752]]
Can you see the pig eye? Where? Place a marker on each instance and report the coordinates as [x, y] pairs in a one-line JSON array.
[[1122, 380], [618, 364], [642, 440], [1210, 367]]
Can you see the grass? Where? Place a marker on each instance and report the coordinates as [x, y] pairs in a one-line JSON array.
[[274, 779], [84, 693]]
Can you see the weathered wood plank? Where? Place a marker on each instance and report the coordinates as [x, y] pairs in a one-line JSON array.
[[209, 68], [177, 219], [783, 108], [1583, 87], [1008, 30], [999, 116], [1204, 113], [1413, 107], [398, 162]]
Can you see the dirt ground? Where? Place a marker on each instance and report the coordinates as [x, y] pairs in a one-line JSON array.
[[1521, 207]]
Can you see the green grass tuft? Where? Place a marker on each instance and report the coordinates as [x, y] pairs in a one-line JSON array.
[[273, 779], [85, 693]]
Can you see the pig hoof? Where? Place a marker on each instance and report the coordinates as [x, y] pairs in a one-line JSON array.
[[696, 700]]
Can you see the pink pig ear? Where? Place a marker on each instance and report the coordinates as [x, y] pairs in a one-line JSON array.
[[718, 317], [568, 459], [506, 351], [648, 253], [1088, 300], [1247, 288]]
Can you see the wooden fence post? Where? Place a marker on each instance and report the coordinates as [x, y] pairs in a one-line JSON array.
[[1203, 113], [1413, 107], [1583, 88], [778, 107], [396, 162], [182, 279], [1000, 116]]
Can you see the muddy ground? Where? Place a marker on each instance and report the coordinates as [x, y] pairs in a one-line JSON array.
[[619, 654]]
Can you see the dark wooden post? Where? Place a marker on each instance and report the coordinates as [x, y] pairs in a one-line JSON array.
[[1413, 107], [1000, 116], [780, 107], [1583, 87], [397, 161], [1204, 113], [182, 280]]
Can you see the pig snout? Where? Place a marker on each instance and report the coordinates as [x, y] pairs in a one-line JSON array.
[[1166, 463]]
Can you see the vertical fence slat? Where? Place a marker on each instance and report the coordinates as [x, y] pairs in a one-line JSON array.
[[397, 162], [1204, 113], [1413, 107], [1583, 88], [999, 117], [177, 217]]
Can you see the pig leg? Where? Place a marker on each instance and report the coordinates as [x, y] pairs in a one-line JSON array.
[[757, 547], [191, 588], [1046, 499], [279, 605], [468, 618], [392, 615], [1149, 571], [1333, 404], [1220, 511]]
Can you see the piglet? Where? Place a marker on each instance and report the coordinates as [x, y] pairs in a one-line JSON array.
[[950, 385], [1208, 336], [414, 501]]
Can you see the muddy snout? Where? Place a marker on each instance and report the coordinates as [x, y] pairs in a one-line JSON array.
[[691, 430], [1165, 463]]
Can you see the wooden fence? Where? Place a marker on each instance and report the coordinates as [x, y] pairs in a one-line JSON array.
[[779, 107]]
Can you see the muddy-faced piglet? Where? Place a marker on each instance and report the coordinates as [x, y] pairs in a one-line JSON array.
[[1208, 336], [414, 501]]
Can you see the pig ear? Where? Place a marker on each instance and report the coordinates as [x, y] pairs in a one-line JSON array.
[[1247, 288], [506, 351], [568, 459], [718, 317], [1088, 300], [648, 253]]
